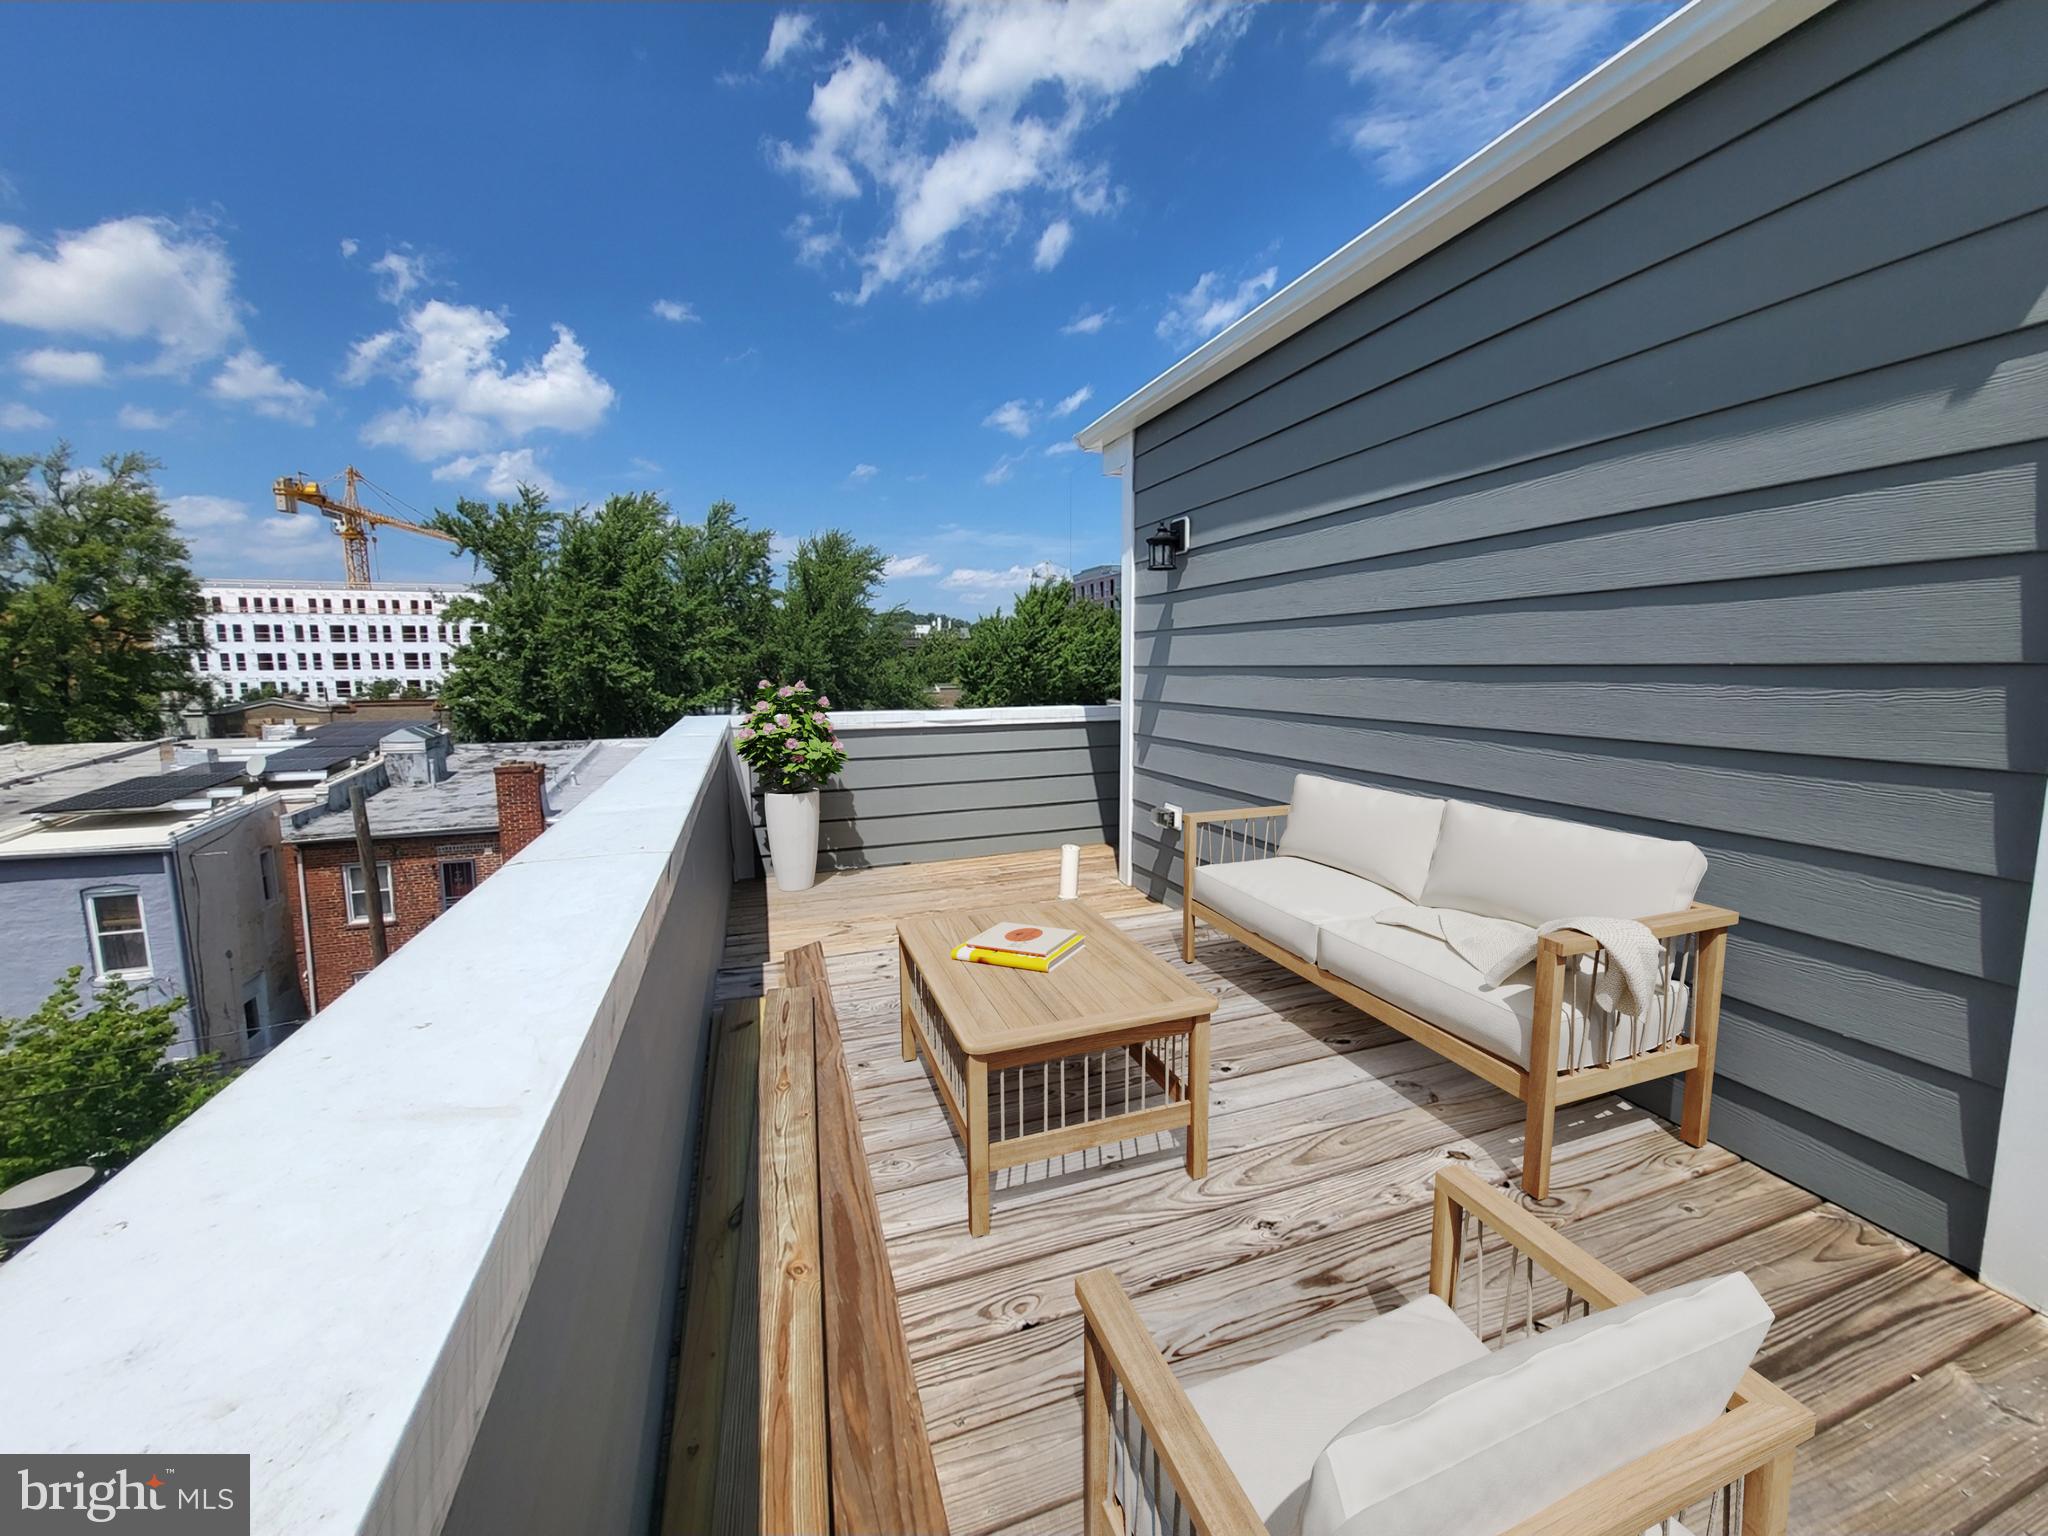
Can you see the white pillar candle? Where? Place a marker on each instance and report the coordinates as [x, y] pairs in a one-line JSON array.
[[1070, 871]]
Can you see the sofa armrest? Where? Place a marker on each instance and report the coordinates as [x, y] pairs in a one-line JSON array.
[[1126, 1378], [1698, 918]]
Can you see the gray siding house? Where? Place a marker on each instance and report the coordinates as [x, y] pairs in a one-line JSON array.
[[1675, 465]]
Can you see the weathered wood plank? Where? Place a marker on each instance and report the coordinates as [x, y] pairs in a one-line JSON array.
[[795, 1483], [883, 1480], [736, 1506], [718, 1267]]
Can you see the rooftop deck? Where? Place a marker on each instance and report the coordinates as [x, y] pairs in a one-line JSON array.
[[1931, 1390]]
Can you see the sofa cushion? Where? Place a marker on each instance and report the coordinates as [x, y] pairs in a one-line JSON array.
[[1286, 899], [1489, 1443], [1384, 836], [1271, 1417], [1537, 870], [1424, 975]]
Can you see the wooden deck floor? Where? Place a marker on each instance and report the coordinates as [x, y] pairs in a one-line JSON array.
[[1326, 1130]]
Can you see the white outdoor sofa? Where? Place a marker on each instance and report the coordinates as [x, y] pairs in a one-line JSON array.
[[1596, 1411], [1305, 884]]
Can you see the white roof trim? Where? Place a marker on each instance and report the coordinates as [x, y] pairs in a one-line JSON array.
[[1682, 53]]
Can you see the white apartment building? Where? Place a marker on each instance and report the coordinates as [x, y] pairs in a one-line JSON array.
[[325, 639]]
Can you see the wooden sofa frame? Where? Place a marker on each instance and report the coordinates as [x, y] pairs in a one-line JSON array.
[[1691, 1052], [1752, 1443]]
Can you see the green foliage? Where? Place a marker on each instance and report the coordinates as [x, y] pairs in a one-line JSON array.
[[379, 688], [97, 603], [86, 1082], [787, 740], [826, 627], [1055, 648], [935, 660], [610, 621]]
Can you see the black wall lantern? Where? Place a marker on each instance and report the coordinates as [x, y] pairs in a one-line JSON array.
[[1167, 540]]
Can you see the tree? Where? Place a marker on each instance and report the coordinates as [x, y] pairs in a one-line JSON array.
[[98, 607], [828, 633], [87, 1082], [379, 688], [935, 660], [1055, 648], [610, 621]]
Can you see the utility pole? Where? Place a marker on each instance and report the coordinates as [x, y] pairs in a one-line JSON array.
[[373, 888]]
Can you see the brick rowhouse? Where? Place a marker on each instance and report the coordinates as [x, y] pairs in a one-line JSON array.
[[341, 949]]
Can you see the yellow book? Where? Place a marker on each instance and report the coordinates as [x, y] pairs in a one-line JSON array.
[[1015, 961]]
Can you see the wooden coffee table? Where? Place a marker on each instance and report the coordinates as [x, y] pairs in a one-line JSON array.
[[1111, 1044]]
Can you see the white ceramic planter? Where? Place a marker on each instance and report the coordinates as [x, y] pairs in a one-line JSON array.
[[793, 838]]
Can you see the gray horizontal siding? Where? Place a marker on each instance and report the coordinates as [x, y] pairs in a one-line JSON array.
[[1697, 493], [911, 793]]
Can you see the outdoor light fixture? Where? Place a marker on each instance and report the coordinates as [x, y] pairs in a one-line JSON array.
[[1167, 540]]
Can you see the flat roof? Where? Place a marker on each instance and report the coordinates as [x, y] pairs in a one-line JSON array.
[[1677, 56], [32, 776], [467, 800]]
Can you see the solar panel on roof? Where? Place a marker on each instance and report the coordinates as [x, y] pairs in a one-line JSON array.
[[314, 757], [148, 791]]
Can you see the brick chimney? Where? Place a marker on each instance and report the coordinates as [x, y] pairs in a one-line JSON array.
[[522, 805]]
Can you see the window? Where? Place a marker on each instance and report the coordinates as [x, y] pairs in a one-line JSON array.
[[352, 888], [241, 663], [287, 605], [341, 690], [327, 605], [299, 632], [266, 871], [238, 632], [216, 604], [119, 945], [252, 1019], [458, 879], [241, 605], [220, 633]]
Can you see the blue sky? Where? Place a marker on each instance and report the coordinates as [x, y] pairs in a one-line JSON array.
[[854, 267]]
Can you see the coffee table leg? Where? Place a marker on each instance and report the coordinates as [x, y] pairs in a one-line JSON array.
[[977, 1147], [903, 1003], [1198, 1099]]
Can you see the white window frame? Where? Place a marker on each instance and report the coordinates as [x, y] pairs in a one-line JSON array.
[[353, 895], [92, 925]]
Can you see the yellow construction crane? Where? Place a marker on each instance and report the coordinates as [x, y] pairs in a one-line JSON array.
[[351, 519]]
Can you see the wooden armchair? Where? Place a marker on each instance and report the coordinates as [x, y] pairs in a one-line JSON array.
[[1151, 1465]]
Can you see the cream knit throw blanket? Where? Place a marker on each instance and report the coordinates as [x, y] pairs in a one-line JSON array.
[[1497, 947]]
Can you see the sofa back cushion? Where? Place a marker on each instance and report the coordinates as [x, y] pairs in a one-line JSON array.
[[1384, 836], [1537, 870], [1490, 1443]]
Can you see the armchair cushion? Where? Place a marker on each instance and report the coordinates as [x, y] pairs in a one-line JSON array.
[[1383, 836], [1268, 1417], [1287, 899], [1491, 1442], [1537, 870]]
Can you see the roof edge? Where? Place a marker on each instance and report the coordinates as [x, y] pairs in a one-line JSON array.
[[1681, 53]]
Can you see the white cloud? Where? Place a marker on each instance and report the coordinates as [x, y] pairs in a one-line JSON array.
[[16, 417], [782, 548], [862, 472], [1052, 245], [902, 567], [196, 512], [1003, 583], [399, 275], [997, 121], [247, 379], [677, 311], [999, 472], [371, 356], [1075, 401], [641, 466], [1064, 445], [1012, 416], [140, 418], [58, 365], [467, 401], [793, 32], [131, 279], [1087, 323], [1206, 308], [349, 249], [1433, 97], [500, 474]]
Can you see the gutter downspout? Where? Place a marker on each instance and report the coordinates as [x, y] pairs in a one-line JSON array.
[[306, 932]]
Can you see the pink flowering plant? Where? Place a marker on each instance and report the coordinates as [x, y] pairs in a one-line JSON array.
[[788, 740]]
